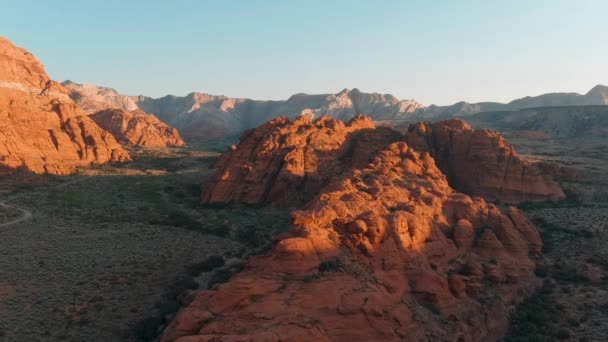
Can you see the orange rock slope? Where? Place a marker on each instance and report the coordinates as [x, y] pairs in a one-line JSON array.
[[480, 162], [385, 253], [137, 128], [41, 129], [289, 162], [284, 162]]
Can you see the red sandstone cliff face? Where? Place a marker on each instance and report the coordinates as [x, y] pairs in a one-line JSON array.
[[41, 129], [137, 128], [385, 253], [287, 162], [480, 162]]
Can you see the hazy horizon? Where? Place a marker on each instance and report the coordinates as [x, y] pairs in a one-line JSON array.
[[435, 54]]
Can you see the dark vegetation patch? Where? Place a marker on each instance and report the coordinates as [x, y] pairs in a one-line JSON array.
[[176, 295], [329, 266], [550, 233], [534, 319], [572, 200]]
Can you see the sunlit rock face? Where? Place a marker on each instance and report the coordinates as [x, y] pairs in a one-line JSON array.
[[286, 162], [41, 129], [386, 252], [481, 162], [137, 128]]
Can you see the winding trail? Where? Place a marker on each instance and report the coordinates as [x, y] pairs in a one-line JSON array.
[[26, 214]]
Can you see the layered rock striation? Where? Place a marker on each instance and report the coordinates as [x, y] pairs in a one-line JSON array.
[[41, 129]]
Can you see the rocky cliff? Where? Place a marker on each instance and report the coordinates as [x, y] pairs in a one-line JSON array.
[[137, 128], [480, 162], [385, 253], [41, 129], [288, 162]]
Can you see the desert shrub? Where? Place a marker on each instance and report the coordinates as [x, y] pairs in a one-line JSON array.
[[540, 271], [194, 190], [563, 334], [148, 329], [220, 230], [224, 274], [532, 321], [329, 265], [568, 275], [206, 265], [252, 237], [311, 277], [214, 205], [599, 261], [179, 218]]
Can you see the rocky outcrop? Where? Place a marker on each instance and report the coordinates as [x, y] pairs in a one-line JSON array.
[[137, 128], [41, 129], [385, 253], [288, 162], [480, 162]]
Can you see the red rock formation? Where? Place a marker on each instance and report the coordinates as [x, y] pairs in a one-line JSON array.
[[137, 128], [41, 129], [288, 162], [480, 162], [387, 253]]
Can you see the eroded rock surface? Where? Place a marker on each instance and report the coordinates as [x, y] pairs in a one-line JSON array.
[[285, 162], [137, 128], [41, 129], [385, 253], [481, 162]]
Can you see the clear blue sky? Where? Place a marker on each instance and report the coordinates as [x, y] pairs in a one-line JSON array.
[[432, 51]]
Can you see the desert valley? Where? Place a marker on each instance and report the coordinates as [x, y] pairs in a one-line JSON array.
[[336, 217]]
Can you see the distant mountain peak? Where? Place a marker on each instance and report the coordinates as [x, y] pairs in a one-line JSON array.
[[600, 88]]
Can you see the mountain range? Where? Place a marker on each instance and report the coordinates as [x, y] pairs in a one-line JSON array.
[[204, 116]]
